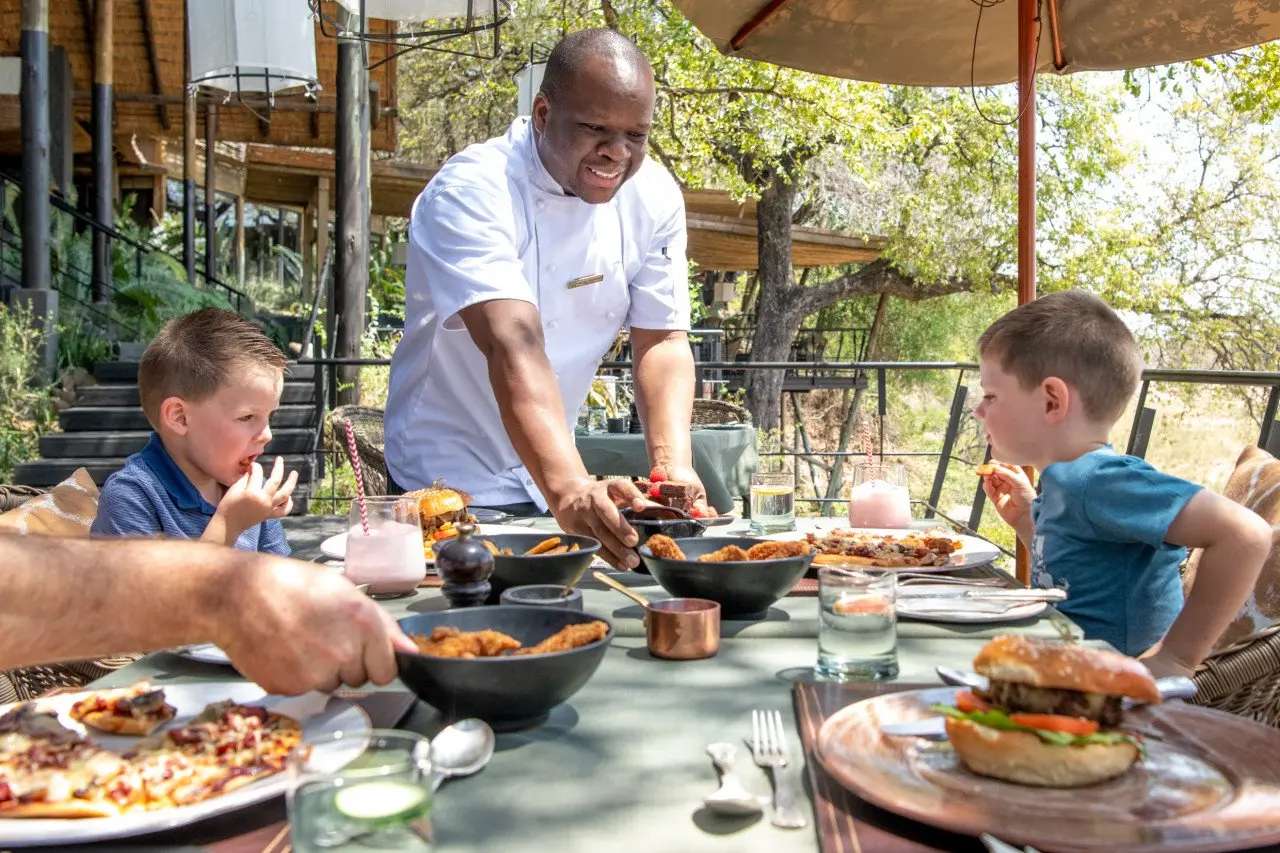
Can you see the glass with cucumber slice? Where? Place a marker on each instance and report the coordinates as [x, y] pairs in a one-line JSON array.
[[362, 792]]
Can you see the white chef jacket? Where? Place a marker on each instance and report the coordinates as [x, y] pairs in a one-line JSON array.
[[493, 224]]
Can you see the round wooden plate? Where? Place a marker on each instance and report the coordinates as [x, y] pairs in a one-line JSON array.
[[1212, 783]]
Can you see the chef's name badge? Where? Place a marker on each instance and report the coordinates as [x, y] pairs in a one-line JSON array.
[[585, 280]]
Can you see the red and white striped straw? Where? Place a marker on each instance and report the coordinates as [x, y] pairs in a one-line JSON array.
[[867, 445], [355, 466]]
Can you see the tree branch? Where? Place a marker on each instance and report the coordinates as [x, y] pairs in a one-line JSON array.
[[880, 276]]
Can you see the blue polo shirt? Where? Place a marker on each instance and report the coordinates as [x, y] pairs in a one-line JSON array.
[[151, 495]]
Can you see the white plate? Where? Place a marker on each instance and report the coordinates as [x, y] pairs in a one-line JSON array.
[[974, 552], [189, 700], [207, 653], [946, 607], [335, 547]]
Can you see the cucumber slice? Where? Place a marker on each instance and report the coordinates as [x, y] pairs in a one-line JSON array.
[[383, 802]]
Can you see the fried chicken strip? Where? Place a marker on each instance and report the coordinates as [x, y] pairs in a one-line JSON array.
[[777, 550], [448, 642], [727, 554], [664, 547], [569, 637]]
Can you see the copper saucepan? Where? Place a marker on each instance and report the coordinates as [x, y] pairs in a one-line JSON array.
[[675, 628]]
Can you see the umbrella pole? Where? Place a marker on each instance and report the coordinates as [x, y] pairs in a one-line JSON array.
[[1027, 45]]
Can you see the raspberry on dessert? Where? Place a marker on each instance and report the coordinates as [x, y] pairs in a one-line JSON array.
[[657, 475], [655, 492]]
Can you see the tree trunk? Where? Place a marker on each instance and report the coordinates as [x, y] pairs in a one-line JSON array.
[[836, 481], [778, 314]]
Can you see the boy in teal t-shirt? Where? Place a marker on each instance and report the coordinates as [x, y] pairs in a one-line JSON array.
[[1057, 374]]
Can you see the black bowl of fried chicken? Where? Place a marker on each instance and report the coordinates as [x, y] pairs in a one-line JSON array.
[[520, 559], [744, 575], [507, 665]]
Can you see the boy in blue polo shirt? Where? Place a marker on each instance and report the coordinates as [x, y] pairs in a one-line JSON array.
[[209, 384], [1057, 374]]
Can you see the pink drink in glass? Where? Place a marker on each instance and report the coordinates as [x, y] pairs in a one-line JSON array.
[[390, 558], [879, 497]]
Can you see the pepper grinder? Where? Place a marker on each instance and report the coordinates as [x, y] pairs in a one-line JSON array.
[[465, 565], [635, 426]]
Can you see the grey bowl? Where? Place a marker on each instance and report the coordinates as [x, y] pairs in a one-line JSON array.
[[744, 590], [522, 570], [542, 595], [508, 693]]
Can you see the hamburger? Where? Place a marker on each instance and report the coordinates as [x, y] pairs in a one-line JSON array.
[[1051, 715], [440, 511]]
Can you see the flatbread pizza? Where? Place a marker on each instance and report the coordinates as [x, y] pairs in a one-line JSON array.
[[50, 771]]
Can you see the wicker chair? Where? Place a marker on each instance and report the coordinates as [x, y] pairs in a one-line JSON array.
[[366, 424], [710, 412], [12, 497], [1244, 678]]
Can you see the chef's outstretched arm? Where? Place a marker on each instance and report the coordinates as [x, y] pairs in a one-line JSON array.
[[664, 377], [509, 334]]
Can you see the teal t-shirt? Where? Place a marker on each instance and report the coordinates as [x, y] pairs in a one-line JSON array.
[[1100, 524]]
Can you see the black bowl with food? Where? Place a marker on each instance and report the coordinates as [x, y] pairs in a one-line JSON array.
[[506, 689], [745, 589], [560, 558], [661, 519]]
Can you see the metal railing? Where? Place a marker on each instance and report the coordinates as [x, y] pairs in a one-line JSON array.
[[140, 249], [1269, 436]]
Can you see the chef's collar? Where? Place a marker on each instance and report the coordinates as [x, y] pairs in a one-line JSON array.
[[538, 174]]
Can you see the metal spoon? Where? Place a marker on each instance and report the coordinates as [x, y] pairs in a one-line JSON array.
[[460, 750], [731, 799]]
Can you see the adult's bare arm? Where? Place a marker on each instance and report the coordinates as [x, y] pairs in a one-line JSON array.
[[290, 626], [509, 334], [664, 378]]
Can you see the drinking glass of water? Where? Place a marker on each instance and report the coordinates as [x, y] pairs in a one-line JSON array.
[[361, 791], [389, 557], [773, 502], [857, 628]]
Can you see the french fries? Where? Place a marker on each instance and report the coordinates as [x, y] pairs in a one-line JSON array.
[[543, 547], [546, 547]]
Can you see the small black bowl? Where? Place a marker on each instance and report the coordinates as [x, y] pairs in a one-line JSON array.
[[664, 520], [510, 692], [521, 569], [744, 590]]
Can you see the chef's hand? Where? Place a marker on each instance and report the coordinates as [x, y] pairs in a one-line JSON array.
[[686, 474], [590, 508]]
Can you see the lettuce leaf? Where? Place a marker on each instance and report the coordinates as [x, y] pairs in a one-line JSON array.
[[997, 719]]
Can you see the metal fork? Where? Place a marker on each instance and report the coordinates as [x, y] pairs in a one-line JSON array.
[[769, 749]]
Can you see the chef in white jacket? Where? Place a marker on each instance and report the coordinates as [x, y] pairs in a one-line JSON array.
[[527, 254]]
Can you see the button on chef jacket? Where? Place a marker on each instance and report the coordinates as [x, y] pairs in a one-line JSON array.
[[493, 224]]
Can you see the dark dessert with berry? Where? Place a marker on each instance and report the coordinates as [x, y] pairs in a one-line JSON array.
[[682, 496]]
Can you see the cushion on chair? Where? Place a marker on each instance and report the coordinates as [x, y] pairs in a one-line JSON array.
[[1255, 483], [67, 510]]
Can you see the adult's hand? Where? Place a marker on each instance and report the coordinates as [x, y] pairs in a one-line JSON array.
[[686, 474], [292, 626], [591, 508]]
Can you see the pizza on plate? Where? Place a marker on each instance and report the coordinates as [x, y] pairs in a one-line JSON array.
[[48, 770], [928, 548], [136, 710]]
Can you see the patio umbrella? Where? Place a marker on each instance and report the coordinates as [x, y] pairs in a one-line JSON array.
[[982, 43]]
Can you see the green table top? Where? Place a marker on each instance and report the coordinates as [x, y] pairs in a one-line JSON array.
[[622, 766]]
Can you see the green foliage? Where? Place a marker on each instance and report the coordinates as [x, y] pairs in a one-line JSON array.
[[26, 409]]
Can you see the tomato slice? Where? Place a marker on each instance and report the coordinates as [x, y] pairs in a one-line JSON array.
[[967, 703], [1055, 723]]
